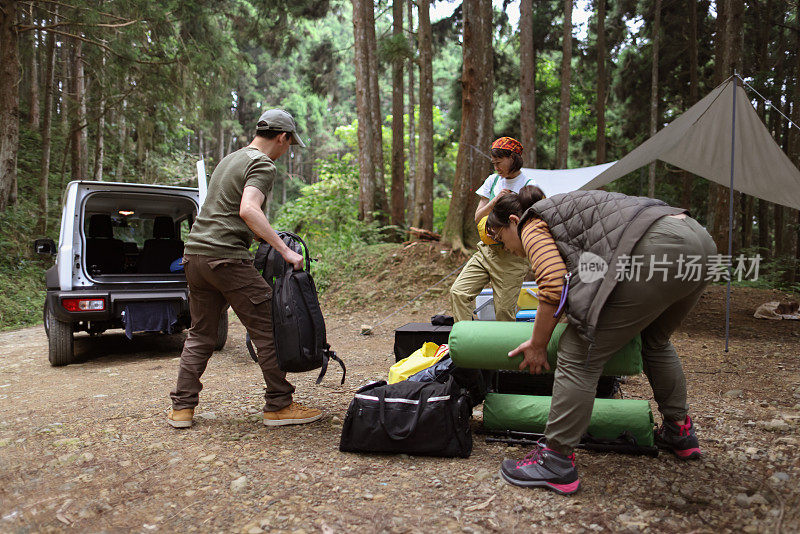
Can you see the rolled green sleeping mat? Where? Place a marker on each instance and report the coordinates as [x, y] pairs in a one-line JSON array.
[[486, 344], [610, 417]]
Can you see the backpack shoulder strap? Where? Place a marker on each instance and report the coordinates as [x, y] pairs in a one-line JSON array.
[[492, 194]]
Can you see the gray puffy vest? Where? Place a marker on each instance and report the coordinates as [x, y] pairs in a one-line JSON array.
[[604, 224]]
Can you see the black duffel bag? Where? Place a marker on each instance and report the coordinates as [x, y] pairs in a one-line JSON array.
[[423, 418]]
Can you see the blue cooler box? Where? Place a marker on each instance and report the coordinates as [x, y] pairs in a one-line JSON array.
[[526, 316]]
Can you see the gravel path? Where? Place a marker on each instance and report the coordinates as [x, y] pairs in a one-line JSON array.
[[86, 447]]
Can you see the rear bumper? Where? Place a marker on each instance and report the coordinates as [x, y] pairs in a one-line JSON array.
[[115, 301]]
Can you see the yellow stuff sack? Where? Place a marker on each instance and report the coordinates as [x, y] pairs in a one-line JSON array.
[[528, 298], [429, 354], [482, 232]]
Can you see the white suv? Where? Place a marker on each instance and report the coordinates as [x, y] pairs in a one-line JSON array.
[[118, 262]]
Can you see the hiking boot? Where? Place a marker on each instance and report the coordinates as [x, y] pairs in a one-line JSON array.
[[294, 414], [680, 438], [543, 467], [180, 418]]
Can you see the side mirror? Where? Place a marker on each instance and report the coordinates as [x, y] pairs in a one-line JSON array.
[[45, 246]]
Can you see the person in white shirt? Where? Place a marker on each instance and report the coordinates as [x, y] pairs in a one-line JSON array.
[[491, 263]]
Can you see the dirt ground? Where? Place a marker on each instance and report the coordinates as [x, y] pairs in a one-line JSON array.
[[86, 447]]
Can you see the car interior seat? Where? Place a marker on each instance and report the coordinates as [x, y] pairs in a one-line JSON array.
[[158, 253], [104, 254]]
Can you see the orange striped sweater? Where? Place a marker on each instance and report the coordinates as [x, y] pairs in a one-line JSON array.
[[548, 266]]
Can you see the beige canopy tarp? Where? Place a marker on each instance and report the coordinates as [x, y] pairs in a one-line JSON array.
[[699, 141]]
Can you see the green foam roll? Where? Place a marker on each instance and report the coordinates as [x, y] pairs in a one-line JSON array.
[[486, 344], [610, 417]]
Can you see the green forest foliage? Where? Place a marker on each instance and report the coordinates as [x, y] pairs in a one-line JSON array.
[[188, 70]]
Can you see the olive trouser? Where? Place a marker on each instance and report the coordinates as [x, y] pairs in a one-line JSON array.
[[214, 283], [654, 308], [489, 264]]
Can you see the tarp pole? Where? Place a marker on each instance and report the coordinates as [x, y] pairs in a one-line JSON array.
[[730, 218]]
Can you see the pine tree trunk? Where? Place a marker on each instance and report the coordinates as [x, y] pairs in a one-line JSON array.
[[398, 124], [99, 147], [9, 102], [794, 150], [423, 209], [472, 167], [123, 143], [748, 213], [366, 152], [777, 213], [694, 91], [412, 120], [763, 228], [47, 119], [33, 68], [80, 166], [764, 24], [562, 153], [600, 105], [65, 97], [728, 57], [651, 176], [527, 83], [376, 126]]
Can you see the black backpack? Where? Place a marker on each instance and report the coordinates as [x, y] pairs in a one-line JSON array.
[[297, 320]]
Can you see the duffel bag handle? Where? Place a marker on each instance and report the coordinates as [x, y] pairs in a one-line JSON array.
[[423, 401]]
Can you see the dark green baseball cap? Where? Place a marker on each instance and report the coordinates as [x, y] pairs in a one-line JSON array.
[[280, 121]]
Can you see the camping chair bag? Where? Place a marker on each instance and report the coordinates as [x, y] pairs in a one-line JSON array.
[[611, 418], [486, 344], [424, 418]]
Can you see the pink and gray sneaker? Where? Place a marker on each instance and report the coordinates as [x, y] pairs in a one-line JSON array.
[[543, 467], [679, 438]]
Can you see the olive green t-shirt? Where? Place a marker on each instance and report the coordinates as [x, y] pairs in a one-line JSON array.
[[219, 231]]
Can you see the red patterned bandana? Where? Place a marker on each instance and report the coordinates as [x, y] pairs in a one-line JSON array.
[[508, 143]]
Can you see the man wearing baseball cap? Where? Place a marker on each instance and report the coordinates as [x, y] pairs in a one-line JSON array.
[[219, 271]]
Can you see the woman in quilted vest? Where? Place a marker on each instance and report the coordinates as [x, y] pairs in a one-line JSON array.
[[617, 266], [491, 263]]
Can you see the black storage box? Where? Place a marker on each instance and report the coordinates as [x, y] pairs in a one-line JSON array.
[[524, 383], [410, 337]]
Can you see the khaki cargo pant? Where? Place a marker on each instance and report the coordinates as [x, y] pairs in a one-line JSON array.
[[489, 264], [213, 283], [653, 308]]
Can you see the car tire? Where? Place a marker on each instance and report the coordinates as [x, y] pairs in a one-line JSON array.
[[222, 331], [61, 345]]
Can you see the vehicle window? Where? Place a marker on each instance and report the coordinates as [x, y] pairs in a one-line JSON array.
[[128, 229], [133, 230]]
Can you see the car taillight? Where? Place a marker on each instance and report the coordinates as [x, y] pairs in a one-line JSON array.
[[78, 305]]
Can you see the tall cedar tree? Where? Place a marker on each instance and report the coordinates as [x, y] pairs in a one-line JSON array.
[[367, 151], [728, 60], [78, 127], [562, 152], [398, 125], [651, 182], [694, 92], [527, 83], [423, 197], [795, 141], [33, 47], [412, 134], [376, 125], [600, 104], [9, 102], [472, 166], [47, 120]]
